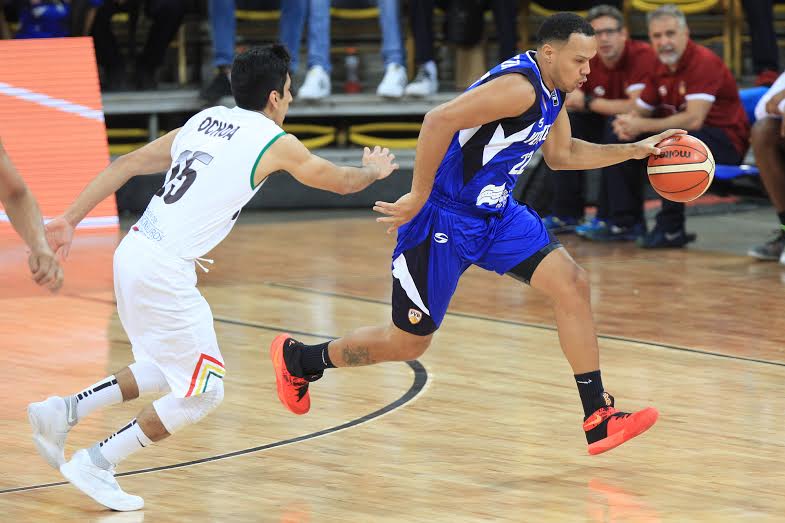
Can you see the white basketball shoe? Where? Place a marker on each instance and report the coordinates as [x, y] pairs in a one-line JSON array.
[[49, 419], [98, 483]]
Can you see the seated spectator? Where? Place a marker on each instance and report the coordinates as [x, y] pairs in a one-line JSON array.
[[166, 15], [426, 82], [768, 143], [54, 18], [317, 84], [765, 53], [223, 28], [618, 74], [692, 89]]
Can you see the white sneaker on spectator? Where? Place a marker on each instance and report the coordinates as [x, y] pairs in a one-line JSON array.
[[316, 85], [394, 81], [49, 419], [425, 83], [98, 483], [782, 258]]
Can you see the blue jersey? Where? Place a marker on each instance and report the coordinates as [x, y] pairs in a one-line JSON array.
[[482, 163]]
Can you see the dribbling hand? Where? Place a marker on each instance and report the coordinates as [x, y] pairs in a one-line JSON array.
[[60, 234], [380, 158], [647, 147]]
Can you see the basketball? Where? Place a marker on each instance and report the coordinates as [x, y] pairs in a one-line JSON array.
[[683, 170]]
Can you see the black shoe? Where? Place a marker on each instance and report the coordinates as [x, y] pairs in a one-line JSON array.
[[217, 89], [662, 239]]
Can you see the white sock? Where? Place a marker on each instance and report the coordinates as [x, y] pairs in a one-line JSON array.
[[105, 392], [119, 445]]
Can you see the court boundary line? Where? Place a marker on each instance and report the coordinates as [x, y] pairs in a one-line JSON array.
[[418, 385], [541, 326]]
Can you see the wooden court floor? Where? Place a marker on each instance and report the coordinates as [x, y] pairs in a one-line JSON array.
[[486, 426]]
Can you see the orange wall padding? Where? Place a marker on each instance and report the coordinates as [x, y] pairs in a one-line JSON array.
[[51, 122]]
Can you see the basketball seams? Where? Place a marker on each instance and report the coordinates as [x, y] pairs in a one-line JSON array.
[[685, 189]]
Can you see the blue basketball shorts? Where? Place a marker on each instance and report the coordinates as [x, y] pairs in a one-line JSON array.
[[440, 243]]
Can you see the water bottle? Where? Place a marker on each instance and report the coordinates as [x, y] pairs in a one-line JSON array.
[[352, 64]]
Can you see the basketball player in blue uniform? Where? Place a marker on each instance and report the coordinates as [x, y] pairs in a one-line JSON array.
[[460, 213]]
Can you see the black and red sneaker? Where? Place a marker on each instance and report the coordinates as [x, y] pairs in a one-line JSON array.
[[292, 389], [607, 427]]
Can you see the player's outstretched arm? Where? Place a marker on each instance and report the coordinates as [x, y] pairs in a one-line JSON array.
[[290, 155], [25, 216], [563, 152], [153, 158], [504, 97]]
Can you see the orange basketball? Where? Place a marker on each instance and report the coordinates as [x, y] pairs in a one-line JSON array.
[[683, 170]]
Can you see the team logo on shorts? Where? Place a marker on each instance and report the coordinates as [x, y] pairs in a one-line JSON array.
[[414, 316]]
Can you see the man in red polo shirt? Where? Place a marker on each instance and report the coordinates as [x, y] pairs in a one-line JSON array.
[[691, 89], [618, 74]]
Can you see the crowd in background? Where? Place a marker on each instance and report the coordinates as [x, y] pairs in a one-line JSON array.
[[636, 88]]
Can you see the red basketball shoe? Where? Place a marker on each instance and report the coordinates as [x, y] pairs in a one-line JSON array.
[[607, 427], [292, 390]]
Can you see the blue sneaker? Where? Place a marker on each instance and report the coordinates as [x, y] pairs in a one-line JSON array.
[[615, 233], [590, 226], [661, 239], [557, 224]]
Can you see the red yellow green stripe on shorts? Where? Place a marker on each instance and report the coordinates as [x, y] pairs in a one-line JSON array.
[[206, 369]]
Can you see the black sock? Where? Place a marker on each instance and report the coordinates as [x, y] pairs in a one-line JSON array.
[[781, 216], [315, 358], [590, 388]]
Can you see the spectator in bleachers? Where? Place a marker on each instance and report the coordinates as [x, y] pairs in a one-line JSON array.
[[618, 74], [54, 18], [317, 83], [166, 16], [223, 27], [692, 89], [768, 143], [765, 53], [426, 81]]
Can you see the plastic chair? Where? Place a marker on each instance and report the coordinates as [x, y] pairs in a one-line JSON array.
[[749, 99]]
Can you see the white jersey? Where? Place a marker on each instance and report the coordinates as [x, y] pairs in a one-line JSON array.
[[211, 178]]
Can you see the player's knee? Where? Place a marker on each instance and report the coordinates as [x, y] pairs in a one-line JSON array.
[[412, 347], [176, 413], [576, 285]]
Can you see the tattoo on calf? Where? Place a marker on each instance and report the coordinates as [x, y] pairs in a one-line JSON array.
[[356, 357]]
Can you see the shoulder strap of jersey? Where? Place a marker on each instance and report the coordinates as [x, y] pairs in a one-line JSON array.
[[520, 64]]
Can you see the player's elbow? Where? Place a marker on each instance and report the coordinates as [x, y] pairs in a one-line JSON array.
[[556, 161]]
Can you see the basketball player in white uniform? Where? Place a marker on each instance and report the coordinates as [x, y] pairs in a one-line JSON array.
[[216, 162]]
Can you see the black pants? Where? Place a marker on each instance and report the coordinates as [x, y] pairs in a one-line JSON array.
[[167, 15], [505, 15], [625, 182], [760, 19], [568, 186]]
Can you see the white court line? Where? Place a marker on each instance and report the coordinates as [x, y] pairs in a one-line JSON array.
[[48, 101], [89, 222]]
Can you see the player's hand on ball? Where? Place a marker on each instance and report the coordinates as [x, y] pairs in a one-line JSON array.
[[380, 158], [45, 269], [400, 212], [59, 234], [647, 147]]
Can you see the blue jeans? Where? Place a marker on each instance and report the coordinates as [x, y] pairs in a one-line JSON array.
[[223, 27], [294, 12]]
